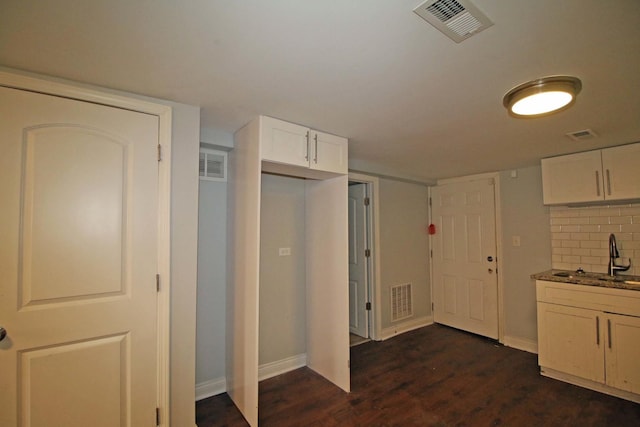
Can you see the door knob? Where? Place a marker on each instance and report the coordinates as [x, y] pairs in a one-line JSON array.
[[490, 270], [3, 333], [489, 258]]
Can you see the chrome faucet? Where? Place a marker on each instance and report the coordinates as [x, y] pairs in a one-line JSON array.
[[613, 255]]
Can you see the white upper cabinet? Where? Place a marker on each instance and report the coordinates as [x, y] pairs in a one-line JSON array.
[[592, 176], [621, 172], [328, 152], [284, 142], [287, 144]]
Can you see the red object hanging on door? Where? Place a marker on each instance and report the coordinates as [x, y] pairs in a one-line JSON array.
[[431, 229]]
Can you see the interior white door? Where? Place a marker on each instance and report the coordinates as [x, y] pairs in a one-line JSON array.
[[78, 263], [465, 284], [358, 295]]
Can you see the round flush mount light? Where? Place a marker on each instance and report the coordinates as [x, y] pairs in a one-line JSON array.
[[542, 96]]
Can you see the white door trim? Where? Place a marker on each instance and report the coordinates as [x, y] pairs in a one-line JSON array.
[[498, 212], [47, 85], [375, 321]]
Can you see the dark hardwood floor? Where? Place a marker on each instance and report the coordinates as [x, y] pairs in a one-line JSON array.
[[433, 376]]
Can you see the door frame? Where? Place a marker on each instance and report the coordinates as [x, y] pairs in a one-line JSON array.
[[495, 176], [373, 231], [31, 82]]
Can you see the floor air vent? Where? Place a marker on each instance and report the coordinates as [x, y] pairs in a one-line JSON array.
[[401, 302], [457, 19]]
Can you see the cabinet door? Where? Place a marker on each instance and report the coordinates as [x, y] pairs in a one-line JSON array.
[[284, 142], [623, 352], [574, 178], [328, 152], [620, 166], [570, 340]]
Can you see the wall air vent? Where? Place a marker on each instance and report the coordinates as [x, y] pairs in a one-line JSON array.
[[401, 302], [582, 135], [457, 19], [213, 165]]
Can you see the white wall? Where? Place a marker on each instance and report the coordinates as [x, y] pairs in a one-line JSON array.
[[212, 278], [523, 215], [212, 232], [282, 278], [404, 255]]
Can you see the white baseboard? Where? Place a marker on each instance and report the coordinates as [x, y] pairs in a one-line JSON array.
[[268, 370], [211, 388], [278, 367], [521, 344], [407, 326]]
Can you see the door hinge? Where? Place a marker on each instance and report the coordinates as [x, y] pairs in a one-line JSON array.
[[367, 306], [157, 283], [433, 307], [429, 201], [367, 201], [367, 253], [431, 253], [157, 416], [159, 152]]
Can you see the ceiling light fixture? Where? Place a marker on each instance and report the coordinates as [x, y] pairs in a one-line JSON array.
[[542, 96]]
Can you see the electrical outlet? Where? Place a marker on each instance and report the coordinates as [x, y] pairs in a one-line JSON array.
[[284, 251]]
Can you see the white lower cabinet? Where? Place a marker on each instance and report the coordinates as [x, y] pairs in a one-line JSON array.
[[590, 336], [570, 341], [622, 354]]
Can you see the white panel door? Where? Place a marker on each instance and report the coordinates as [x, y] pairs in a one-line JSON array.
[[78, 263], [358, 296], [465, 284]]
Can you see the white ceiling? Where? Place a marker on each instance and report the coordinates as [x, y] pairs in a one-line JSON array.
[[412, 102]]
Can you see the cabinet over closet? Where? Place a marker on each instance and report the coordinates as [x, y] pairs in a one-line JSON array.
[[285, 145], [271, 145]]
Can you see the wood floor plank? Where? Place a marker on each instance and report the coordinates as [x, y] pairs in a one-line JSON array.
[[433, 376]]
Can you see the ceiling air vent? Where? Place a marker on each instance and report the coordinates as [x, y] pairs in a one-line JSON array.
[[581, 135], [457, 19]]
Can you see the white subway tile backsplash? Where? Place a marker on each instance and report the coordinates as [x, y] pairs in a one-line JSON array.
[[619, 220], [580, 236], [591, 244]]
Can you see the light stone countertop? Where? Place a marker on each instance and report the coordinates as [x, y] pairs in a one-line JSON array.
[[590, 279]]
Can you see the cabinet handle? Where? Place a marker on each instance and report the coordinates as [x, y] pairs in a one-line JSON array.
[[598, 331], [609, 331], [598, 183], [306, 156], [608, 183], [315, 153]]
